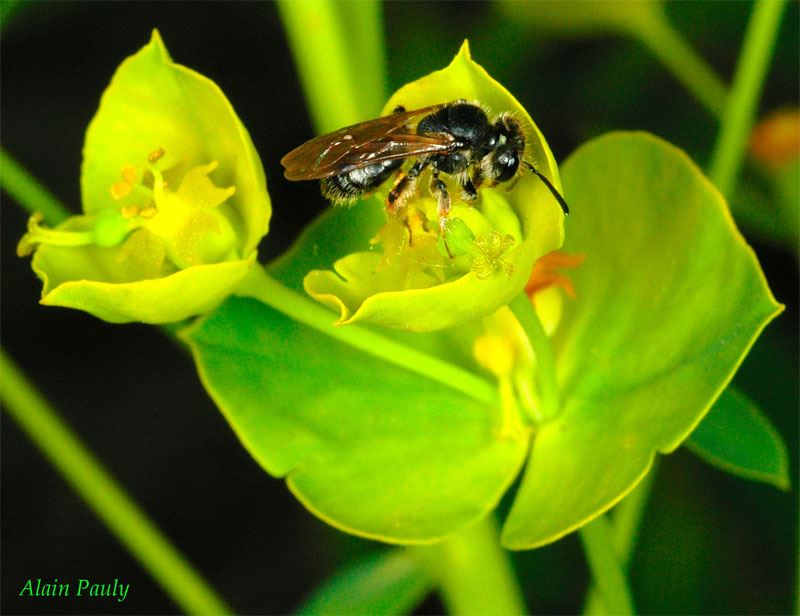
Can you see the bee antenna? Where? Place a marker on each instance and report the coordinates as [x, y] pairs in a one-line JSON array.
[[556, 194]]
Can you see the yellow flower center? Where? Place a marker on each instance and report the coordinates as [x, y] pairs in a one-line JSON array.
[[165, 219]]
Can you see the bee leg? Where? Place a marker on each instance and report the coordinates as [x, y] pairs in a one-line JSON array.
[[404, 187], [439, 190], [469, 192]]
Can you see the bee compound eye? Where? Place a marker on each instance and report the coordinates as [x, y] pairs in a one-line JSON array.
[[508, 163]]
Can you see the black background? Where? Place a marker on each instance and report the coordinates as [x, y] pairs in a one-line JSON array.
[[711, 543]]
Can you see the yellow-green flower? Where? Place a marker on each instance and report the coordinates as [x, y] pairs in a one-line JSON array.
[[407, 279], [174, 201]]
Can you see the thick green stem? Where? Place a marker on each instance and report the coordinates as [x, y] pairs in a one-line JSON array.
[[261, 286], [28, 192], [546, 377], [340, 88], [607, 572], [474, 573], [103, 494], [742, 104], [626, 520], [669, 46]]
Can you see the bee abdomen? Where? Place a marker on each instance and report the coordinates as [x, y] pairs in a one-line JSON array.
[[358, 182]]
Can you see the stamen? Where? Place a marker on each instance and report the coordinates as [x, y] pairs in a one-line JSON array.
[[545, 274], [156, 155]]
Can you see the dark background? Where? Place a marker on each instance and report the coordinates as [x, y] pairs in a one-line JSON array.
[[711, 543]]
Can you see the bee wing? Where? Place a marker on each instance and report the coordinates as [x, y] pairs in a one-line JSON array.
[[386, 138]]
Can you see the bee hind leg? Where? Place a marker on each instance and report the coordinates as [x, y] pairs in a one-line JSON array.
[[439, 190], [404, 187]]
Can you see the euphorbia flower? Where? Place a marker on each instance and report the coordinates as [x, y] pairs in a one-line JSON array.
[[174, 200], [419, 282], [669, 300]]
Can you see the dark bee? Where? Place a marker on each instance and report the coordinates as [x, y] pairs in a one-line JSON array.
[[456, 139]]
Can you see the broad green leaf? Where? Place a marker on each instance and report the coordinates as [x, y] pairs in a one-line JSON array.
[[366, 446], [390, 582], [738, 438], [363, 288], [670, 299]]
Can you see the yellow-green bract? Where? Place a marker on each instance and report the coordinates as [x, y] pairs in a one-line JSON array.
[[375, 288], [169, 163]]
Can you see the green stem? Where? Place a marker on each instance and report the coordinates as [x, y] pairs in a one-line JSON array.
[[340, 90], [546, 377], [261, 286], [103, 494], [607, 571], [8, 10], [742, 104], [365, 34], [672, 50], [29, 193], [474, 573], [625, 523]]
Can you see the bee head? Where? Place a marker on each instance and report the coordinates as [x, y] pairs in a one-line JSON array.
[[502, 162]]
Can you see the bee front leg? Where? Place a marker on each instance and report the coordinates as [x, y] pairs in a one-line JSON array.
[[469, 190]]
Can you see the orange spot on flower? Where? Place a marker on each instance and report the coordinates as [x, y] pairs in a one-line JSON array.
[[120, 189], [130, 211], [776, 139], [156, 155], [545, 273], [129, 174]]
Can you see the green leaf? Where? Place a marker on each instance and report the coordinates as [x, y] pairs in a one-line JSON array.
[[390, 582], [670, 299], [738, 438], [365, 288], [366, 446]]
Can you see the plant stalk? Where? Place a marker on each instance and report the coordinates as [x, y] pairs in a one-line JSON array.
[[546, 376], [330, 42], [261, 286], [474, 572], [626, 519], [607, 572], [742, 103], [674, 52], [28, 192], [101, 492]]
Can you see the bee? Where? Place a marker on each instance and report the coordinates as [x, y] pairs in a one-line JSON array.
[[454, 139]]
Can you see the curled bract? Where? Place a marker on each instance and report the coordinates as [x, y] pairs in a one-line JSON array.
[[411, 278], [174, 201]]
